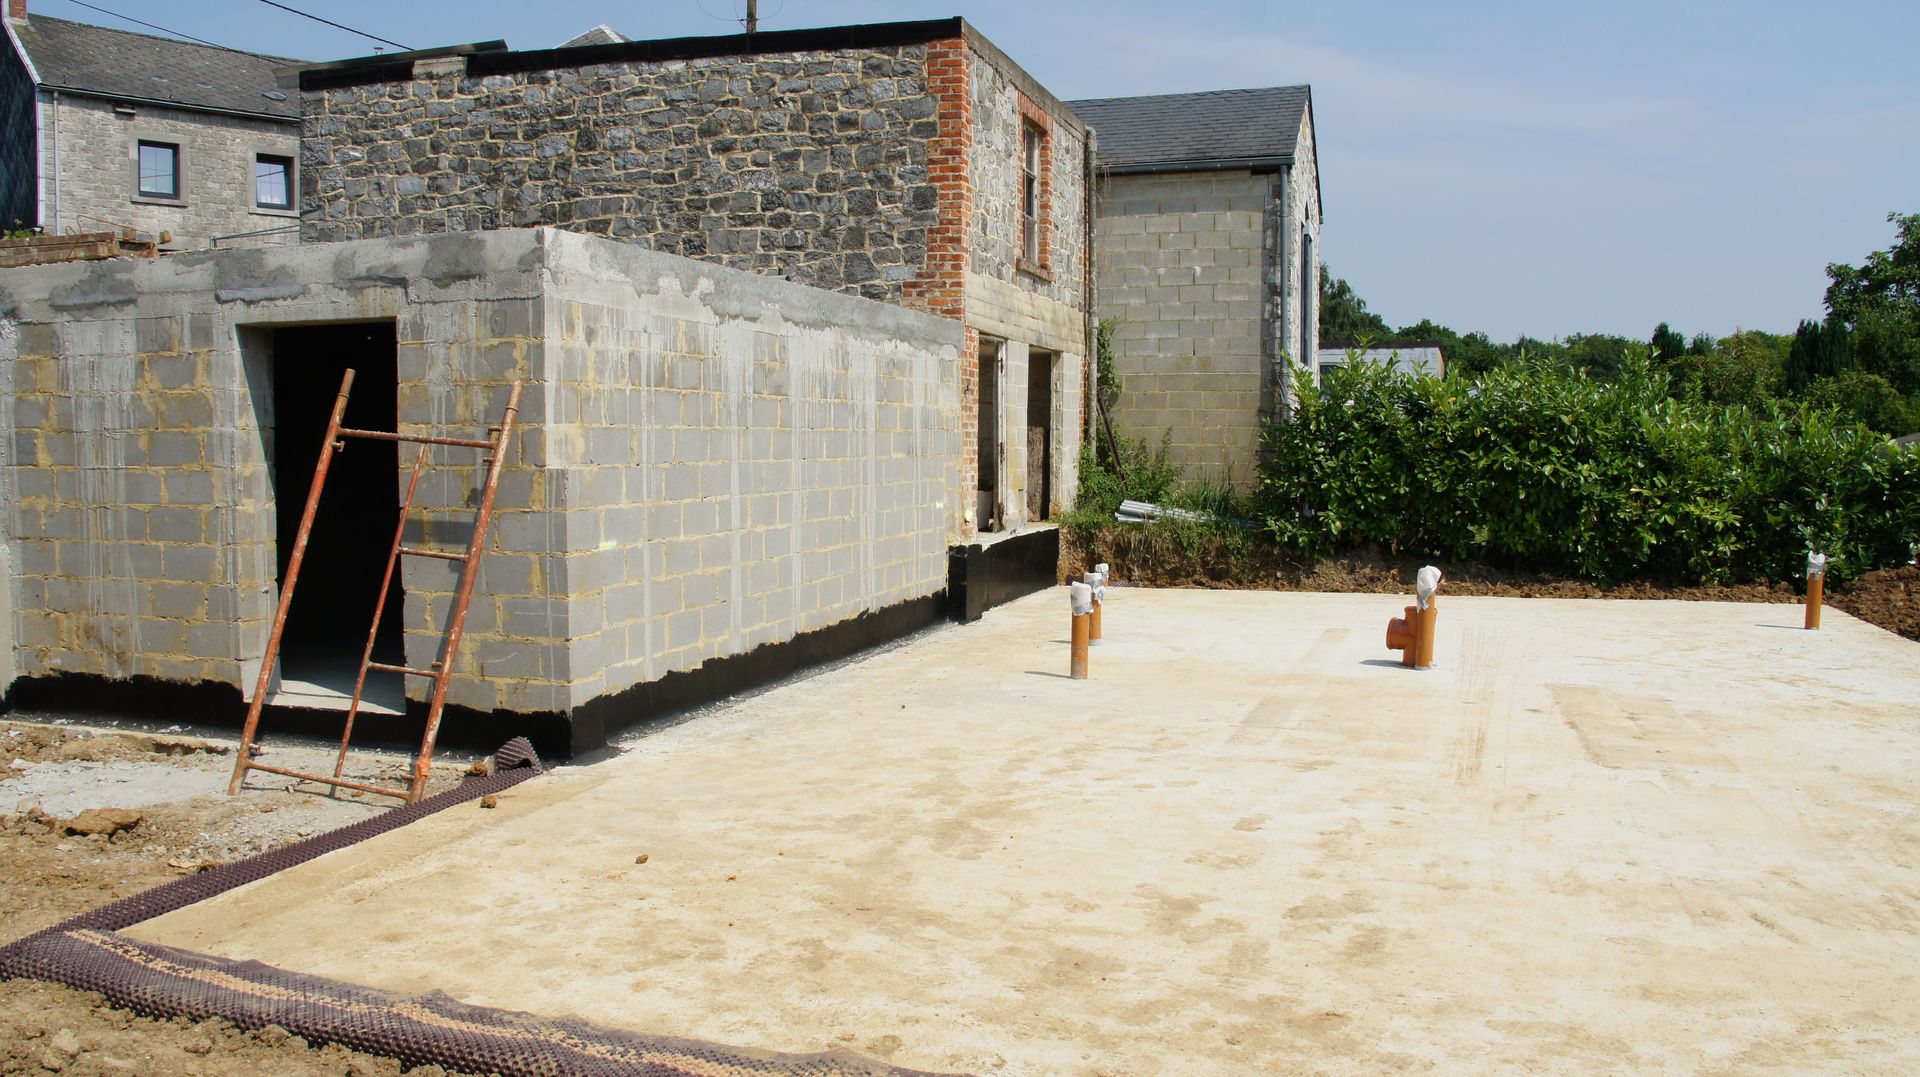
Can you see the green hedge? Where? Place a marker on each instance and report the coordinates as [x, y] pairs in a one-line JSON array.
[[1545, 467]]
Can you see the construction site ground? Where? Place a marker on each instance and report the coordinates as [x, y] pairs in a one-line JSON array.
[[1598, 835]]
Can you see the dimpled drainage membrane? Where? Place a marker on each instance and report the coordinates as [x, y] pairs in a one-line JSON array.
[[86, 953]]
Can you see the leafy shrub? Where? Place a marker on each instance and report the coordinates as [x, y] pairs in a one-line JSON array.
[[1538, 465]]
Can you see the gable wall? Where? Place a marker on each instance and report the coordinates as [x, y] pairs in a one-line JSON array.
[[1182, 273]]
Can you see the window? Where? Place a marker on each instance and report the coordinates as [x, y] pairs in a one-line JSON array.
[[272, 181], [157, 170], [1030, 173]]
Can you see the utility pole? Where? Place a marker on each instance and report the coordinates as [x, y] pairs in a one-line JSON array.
[[753, 15]]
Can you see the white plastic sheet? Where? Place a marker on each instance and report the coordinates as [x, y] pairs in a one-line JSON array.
[[1080, 597], [1425, 583]]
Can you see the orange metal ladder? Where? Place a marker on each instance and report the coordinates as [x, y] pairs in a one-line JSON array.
[[441, 672]]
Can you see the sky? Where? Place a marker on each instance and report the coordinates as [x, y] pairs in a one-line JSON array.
[[1512, 168]]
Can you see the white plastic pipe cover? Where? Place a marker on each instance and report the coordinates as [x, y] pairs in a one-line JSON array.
[[1816, 565], [1425, 583], [1093, 580], [1080, 597]]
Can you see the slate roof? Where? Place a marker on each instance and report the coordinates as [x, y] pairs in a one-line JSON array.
[[1142, 134], [599, 35], [82, 58]]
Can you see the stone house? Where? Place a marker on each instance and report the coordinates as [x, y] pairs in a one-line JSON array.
[[1207, 233], [911, 163], [103, 129], [797, 320]]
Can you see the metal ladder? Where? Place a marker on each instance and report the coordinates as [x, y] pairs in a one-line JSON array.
[[441, 672]]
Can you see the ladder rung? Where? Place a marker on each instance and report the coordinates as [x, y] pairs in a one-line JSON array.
[[388, 435], [444, 555], [404, 669], [344, 783]]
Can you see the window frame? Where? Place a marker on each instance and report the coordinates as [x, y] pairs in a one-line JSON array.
[[140, 191], [290, 177], [1033, 167]]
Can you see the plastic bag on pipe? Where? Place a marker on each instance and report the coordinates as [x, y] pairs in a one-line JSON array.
[[1816, 565], [1101, 568], [1425, 583], [1080, 596], [1093, 580]]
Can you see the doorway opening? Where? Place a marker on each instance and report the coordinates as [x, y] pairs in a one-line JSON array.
[[1039, 435], [352, 535], [987, 510]]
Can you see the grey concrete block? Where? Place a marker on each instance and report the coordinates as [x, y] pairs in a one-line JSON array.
[[189, 563]]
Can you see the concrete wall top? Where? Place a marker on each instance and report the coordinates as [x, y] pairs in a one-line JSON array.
[[498, 264]]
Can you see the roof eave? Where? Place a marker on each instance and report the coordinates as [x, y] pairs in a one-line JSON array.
[[105, 95], [1200, 164]]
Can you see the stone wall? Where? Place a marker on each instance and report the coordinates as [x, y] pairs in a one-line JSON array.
[[709, 461], [96, 142], [996, 153], [1183, 272], [808, 165], [1295, 294], [19, 179]]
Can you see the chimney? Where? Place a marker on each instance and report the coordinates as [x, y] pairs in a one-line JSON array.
[[17, 10]]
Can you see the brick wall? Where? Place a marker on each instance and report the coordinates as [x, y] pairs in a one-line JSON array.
[[809, 165], [1183, 272], [709, 461], [96, 154]]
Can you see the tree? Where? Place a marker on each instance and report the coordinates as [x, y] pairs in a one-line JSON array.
[[1879, 304], [1344, 316], [1667, 344], [1817, 352]]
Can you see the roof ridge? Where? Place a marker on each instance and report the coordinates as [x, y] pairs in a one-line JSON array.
[[1194, 93]]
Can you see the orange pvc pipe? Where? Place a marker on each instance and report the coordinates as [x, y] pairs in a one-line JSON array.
[[1423, 634], [1816, 597], [1081, 626], [1400, 635]]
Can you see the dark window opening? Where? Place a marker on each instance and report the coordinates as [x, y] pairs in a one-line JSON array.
[[158, 170], [272, 181], [1039, 435], [352, 534], [987, 494]]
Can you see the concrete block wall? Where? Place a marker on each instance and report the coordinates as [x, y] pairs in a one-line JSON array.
[[94, 141], [788, 461], [709, 460], [1183, 271], [134, 518]]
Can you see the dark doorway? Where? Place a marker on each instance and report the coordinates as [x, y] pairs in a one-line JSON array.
[[987, 506], [352, 533], [1039, 435]]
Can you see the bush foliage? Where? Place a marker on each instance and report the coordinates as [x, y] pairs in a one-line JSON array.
[[1545, 466]]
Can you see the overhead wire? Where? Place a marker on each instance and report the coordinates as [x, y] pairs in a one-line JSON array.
[[335, 25], [152, 26]]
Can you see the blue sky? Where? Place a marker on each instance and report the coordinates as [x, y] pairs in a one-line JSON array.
[[1515, 168]]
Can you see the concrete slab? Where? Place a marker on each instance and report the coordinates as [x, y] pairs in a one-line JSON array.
[[1600, 836]]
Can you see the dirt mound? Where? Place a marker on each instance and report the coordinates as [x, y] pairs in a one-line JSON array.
[[52, 874], [1889, 597]]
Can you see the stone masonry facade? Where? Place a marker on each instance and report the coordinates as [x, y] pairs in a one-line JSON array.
[[709, 461], [96, 140], [880, 161], [811, 165]]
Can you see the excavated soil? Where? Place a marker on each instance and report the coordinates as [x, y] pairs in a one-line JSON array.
[[51, 777], [1889, 598]]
